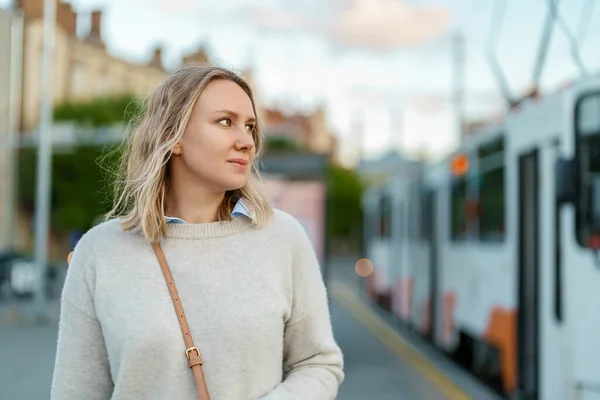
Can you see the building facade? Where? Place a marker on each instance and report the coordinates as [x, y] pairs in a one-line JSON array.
[[83, 68], [308, 131]]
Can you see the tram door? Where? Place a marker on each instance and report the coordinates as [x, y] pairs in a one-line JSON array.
[[528, 277]]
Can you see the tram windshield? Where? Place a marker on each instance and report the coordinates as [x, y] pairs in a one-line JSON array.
[[588, 164]]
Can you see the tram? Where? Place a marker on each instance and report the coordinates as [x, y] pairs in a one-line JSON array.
[[491, 253]]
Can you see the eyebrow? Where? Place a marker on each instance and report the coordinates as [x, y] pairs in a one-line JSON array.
[[233, 114]]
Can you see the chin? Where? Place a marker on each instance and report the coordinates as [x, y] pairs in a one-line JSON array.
[[235, 184]]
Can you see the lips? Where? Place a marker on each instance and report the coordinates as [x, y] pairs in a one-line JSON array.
[[239, 161]]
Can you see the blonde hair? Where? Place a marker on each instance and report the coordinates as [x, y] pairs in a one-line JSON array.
[[140, 195]]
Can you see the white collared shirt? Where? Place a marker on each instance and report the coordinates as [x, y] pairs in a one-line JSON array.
[[240, 209]]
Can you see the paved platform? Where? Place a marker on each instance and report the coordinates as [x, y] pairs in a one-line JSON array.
[[380, 363], [373, 369]]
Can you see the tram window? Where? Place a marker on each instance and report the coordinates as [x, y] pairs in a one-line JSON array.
[[412, 230], [590, 155], [458, 218], [491, 205], [588, 118], [385, 218], [426, 217], [492, 148], [401, 222], [588, 139]]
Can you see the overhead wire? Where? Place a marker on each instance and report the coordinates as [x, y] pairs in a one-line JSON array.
[[584, 20], [572, 41], [498, 15]]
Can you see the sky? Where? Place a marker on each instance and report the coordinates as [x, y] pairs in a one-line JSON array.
[[384, 69]]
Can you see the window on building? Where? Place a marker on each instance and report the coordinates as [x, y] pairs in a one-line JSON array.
[[126, 84], [104, 83], [77, 79]]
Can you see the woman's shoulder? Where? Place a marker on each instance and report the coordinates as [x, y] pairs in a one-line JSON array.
[[102, 240], [284, 220], [287, 227], [103, 236]]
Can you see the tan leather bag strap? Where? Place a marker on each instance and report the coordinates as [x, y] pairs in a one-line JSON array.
[[192, 353]]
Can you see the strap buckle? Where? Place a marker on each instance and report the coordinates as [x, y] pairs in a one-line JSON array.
[[187, 352]]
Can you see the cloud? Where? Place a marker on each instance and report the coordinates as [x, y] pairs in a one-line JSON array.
[[279, 19], [381, 25], [388, 24], [176, 6]]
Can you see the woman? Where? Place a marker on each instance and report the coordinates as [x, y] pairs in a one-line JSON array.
[[246, 275]]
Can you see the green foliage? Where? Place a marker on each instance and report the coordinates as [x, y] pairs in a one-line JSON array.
[[280, 144], [81, 187], [345, 203], [99, 111]]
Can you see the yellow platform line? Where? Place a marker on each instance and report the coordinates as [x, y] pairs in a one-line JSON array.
[[392, 339]]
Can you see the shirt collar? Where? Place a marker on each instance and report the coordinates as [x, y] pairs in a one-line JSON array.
[[240, 208]]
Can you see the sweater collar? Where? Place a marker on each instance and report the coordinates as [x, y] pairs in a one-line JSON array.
[[240, 209], [208, 230]]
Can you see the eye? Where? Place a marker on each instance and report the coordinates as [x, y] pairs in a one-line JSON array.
[[225, 122], [251, 127]]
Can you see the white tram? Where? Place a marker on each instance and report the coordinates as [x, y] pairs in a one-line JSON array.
[[490, 253]]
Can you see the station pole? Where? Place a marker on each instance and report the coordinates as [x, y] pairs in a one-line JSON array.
[[44, 157]]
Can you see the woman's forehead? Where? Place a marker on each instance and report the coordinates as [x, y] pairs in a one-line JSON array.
[[225, 95]]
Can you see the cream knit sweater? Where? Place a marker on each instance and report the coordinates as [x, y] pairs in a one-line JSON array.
[[254, 299]]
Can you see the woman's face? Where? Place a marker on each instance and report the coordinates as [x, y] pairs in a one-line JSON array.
[[217, 148]]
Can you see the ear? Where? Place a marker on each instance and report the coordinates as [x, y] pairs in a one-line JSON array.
[[177, 149]]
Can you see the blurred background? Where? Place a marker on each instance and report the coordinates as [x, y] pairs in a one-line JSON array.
[[361, 101]]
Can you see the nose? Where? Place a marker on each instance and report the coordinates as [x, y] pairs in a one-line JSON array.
[[245, 143]]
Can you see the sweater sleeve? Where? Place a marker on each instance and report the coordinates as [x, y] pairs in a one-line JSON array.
[[81, 369], [313, 362]]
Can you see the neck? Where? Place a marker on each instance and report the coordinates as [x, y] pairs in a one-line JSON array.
[[193, 205]]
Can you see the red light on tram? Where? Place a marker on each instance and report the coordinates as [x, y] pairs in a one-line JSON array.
[[459, 165], [594, 242]]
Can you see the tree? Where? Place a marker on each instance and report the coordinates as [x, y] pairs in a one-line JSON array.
[[281, 144], [80, 190], [100, 111], [345, 204]]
